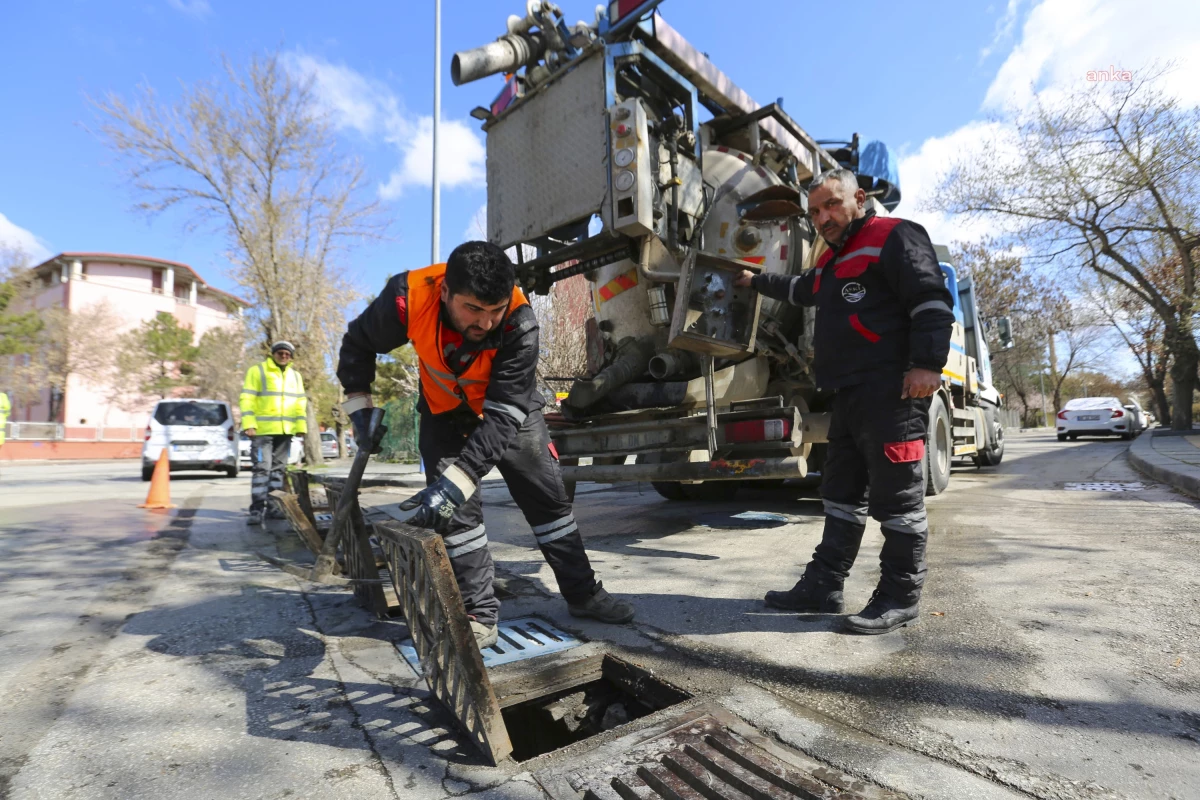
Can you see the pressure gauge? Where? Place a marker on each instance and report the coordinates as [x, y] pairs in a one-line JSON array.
[[623, 157], [625, 180]]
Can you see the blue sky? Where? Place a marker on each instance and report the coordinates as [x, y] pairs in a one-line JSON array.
[[923, 77]]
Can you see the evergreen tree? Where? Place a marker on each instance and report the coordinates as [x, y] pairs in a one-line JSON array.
[[158, 356]]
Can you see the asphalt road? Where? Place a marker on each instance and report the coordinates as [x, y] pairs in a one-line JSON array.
[[151, 654]]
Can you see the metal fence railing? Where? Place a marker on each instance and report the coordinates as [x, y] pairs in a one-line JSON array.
[[403, 423], [58, 432]]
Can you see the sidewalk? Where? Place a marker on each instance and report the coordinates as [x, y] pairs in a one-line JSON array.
[[1172, 457]]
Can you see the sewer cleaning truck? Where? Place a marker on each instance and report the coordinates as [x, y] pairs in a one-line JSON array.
[[618, 152]]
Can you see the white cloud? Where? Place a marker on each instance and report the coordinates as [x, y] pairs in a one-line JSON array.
[[1063, 39], [1004, 29], [460, 158], [1060, 41], [353, 100], [193, 8], [921, 173], [17, 238], [372, 109]]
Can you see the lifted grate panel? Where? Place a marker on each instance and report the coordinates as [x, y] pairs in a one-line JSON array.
[[520, 639], [433, 608]]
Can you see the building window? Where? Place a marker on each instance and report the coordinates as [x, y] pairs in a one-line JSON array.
[[181, 293], [156, 278]]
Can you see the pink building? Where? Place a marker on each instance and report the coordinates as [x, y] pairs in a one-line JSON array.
[[135, 288]]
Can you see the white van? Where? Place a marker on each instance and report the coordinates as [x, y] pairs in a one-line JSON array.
[[200, 434]]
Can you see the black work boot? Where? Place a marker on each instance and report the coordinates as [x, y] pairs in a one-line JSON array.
[[809, 595], [603, 606], [883, 615]]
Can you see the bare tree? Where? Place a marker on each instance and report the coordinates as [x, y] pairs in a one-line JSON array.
[[1108, 178], [256, 158], [562, 323], [1078, 343], [218, 371], [1142, 332], [1005, 286], [79, 343]]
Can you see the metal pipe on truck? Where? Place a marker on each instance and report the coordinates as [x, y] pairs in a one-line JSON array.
[[507, 54]]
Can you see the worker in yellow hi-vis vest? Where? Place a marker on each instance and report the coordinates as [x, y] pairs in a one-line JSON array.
[[274, 410], [5, 407]]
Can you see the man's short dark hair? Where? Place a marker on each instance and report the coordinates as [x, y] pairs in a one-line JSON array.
[[481, 269]]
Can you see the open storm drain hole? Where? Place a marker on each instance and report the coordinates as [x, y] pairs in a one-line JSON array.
[[602, 693]]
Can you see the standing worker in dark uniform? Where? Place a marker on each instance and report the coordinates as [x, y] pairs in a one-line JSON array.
[[476, 339], [883, 327]]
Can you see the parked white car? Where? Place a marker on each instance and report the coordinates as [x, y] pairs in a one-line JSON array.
[[329, 445], [1100, 416], [295, 452], [198, 434]]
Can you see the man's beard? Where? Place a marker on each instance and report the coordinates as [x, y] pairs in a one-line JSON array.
[[469, 333], [839, 241]]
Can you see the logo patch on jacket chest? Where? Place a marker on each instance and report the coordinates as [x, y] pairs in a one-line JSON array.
[[853, 292]]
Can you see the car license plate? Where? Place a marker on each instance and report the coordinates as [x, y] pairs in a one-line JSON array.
[[181, 448], [1089, 417]]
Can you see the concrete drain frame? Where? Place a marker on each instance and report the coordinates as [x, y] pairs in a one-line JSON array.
[[586, 722]]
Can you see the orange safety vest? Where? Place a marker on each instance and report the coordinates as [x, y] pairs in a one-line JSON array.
[[443, 390]]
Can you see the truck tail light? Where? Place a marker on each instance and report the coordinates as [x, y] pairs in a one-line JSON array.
[[229, 434], [1117, 412], [510, 92], [147, 433], [1062, 415], [621, 8], [757, 430]]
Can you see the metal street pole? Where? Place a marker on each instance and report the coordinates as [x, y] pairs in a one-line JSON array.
[[435, 245]]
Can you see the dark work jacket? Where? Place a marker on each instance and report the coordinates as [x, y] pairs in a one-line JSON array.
[[512, 391], [882, 303]]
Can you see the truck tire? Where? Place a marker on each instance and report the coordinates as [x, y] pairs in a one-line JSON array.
[[940, 449], [147, 472], [993, 447]]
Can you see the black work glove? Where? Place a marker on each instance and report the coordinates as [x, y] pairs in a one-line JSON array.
[[435, 504], [361, 420]]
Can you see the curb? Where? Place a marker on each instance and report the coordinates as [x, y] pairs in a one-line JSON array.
[[1148, 461]]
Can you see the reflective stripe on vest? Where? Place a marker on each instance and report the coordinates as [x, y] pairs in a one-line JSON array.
[[443, 390]]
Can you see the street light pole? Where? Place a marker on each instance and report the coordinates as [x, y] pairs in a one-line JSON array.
[[435, 245]]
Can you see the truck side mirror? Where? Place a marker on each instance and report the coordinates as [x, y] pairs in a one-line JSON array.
[[1004, 332]]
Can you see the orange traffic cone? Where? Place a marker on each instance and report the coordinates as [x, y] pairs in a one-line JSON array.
[[160, 484]]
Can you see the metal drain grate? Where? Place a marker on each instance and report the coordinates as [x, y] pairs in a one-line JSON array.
[[708, 759], [522, 638], [1104, 486]]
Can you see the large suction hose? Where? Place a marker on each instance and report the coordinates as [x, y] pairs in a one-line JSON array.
[[506, 54], [674, 364], [632, 357]]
